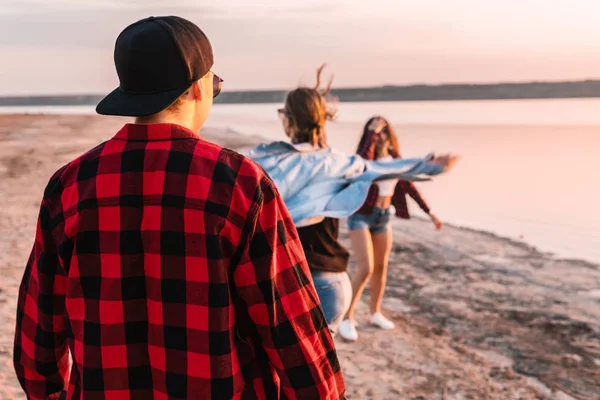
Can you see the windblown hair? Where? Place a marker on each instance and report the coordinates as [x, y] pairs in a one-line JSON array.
[[308, 110], [369, 136]]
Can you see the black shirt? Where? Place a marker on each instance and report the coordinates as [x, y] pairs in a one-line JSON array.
[[321, 246]]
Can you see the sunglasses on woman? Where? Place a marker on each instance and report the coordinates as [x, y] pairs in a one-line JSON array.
[[217, 85]]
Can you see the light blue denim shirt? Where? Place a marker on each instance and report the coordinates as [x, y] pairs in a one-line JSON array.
[[316, 182]]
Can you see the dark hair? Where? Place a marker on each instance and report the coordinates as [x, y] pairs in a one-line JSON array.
[[307, 110], [394, 147]]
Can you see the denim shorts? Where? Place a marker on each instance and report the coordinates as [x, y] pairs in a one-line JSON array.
[[376, 222], [335, 294]]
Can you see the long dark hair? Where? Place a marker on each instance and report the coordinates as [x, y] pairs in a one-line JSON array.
[[307, 110], [368, 137]]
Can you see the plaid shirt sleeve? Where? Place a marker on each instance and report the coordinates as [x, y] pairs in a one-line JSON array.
[[273, 280], [41, 355], [414, 193], [366, 147]]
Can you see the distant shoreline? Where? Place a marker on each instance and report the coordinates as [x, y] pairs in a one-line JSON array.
[[499, 91]]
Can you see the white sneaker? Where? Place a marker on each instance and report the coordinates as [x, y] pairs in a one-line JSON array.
[[347, 330], [382, 322]]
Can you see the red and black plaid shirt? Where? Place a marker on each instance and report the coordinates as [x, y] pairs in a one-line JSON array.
[[169, 267]]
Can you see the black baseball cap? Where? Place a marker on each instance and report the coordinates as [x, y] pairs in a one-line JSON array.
[[157, 60]]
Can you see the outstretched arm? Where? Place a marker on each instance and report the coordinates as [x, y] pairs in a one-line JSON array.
[[413, 192], [411, 169]]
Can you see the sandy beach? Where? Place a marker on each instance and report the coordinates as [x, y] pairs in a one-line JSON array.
[[478, 316]]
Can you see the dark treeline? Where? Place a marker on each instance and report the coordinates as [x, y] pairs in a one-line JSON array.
[[532, 90]]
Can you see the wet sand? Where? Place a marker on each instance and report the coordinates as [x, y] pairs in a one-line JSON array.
[[478, 316]]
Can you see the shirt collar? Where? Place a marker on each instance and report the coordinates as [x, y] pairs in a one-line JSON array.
[[305, 147], [149, 132]]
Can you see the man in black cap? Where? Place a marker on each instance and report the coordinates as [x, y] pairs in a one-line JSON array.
[[168, 266]]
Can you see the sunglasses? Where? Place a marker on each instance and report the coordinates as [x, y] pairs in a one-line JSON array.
[[282, 112], [217, 85]]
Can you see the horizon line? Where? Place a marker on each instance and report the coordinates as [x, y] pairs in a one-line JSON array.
[[384, 86]]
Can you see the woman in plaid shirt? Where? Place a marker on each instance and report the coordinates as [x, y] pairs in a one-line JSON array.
[[369, 227]]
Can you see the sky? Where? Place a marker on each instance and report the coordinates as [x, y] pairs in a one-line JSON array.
[[66, 46]]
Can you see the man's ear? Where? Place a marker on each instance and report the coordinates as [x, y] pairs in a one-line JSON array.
[[198, 90]]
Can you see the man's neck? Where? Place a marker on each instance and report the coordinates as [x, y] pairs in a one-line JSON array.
[[167, 118]]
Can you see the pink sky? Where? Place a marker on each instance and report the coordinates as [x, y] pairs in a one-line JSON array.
[[65, 46]]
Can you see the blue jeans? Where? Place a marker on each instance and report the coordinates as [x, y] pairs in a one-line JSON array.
[[376, 222], [335, 294]]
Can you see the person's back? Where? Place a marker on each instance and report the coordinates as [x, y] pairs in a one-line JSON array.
[[167, 265]]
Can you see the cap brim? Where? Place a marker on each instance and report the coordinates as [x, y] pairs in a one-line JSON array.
[[137, 105]]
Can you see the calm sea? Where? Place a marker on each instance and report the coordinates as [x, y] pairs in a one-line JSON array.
[[530, 168]]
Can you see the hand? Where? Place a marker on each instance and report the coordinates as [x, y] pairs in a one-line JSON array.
[[377, 125], [436, 221], [447, 161]]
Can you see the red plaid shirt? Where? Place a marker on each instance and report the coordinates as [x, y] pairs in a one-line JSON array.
[[169, 267]]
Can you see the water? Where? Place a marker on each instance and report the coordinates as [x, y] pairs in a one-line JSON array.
[[530, 168]]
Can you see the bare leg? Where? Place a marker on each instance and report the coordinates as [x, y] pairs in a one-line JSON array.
[[382, 245], [362, 247]]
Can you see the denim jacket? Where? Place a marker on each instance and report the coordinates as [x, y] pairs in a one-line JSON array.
[[316, 182]]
